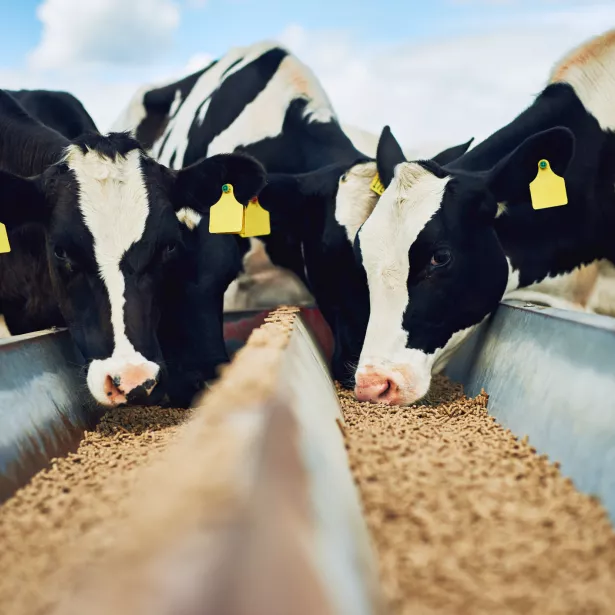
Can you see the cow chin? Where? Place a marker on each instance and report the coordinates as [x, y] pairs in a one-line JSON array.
[[395, 383], [121, 380]]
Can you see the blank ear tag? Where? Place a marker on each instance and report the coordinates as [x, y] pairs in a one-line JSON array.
[[548, 189], [5, 246], [226, 216], [256, 221], [377, 186]]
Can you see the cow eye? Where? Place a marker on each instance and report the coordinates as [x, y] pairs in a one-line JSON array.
[[344, 178], [440, 258], [170, 248], [60, 253]]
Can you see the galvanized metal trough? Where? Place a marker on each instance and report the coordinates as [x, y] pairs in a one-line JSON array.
[[550, 375], [252, 510]]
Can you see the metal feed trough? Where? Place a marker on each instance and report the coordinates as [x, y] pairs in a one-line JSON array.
[[546, 372]]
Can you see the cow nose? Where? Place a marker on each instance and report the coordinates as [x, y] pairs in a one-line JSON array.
[[376, 388], [132, 384]]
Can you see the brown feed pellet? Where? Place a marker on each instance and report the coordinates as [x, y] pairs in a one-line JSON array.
[[468, 519]]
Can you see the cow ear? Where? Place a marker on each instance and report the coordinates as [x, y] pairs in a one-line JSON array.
[[199, 186], [511, 177], [452, 153], [22, 200], [388, 155]]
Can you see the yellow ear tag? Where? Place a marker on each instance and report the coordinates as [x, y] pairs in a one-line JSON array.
[[377, 186], [226, 216], [256, 220], [548, 189], [5, 246]]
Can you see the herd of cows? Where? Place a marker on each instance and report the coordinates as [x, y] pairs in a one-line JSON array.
[[109, 234]]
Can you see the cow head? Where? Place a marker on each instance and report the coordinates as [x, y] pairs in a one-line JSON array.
[[326, 208], [112, 235], [433, 262]]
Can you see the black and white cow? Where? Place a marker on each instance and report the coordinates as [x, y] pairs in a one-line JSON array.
[[446, 242], [263, 101], [96, 246]]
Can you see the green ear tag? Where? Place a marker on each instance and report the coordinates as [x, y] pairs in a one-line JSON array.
[[548, 189], [377, 186], [5, 246], [226, 216]]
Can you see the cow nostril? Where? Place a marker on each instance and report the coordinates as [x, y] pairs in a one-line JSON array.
[[386, 387], [148, 385], [113, 392]]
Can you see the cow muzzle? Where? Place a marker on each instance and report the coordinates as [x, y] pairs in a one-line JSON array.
[[115, 382], [393, 385]]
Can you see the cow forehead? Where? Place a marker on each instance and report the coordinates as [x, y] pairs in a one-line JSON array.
[[355, 200], [412, 199], [112, 198]]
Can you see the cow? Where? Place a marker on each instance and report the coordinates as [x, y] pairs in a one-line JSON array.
[[263, 101], [97, 247], [446, 242], [59, 110]]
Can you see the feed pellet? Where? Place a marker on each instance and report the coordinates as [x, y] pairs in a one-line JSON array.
[[42, 524], [468, 519]]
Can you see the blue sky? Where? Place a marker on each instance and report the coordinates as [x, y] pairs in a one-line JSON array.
[[218, 24], [472, 64]]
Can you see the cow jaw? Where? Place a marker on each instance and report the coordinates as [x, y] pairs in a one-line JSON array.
[[389, 371], [113, 201]]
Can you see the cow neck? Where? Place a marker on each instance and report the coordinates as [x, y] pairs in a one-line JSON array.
[[545, 243], [26, 146]]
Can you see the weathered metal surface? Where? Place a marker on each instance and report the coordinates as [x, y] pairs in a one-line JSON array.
[[550, 375], [343, 551]]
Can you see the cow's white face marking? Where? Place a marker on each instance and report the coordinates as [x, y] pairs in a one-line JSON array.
[[113, 201], [412, 199], [355, 200]]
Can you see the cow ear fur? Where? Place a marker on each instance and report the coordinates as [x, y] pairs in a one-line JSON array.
[[199, 186]]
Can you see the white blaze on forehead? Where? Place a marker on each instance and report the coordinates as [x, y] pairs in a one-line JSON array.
[[355, 199], [114, 204], [412, 199]]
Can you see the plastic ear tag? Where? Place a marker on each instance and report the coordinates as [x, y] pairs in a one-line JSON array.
[[376, 185], [548, 189], [5, 246], [256, 220], [226, 216]]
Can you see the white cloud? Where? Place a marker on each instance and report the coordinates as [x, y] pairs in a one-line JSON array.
[[431, 94], [85, 32], [448, 90]]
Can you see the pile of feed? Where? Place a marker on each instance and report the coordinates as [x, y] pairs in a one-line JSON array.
[[468, 519], [43, 524]]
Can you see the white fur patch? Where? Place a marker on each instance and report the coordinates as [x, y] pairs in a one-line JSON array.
[[412, 199], [355, 201], [133, 114], [114, 204], [590, 70], [261, 118]]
